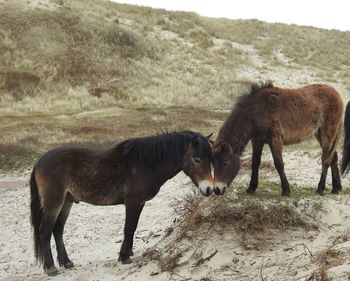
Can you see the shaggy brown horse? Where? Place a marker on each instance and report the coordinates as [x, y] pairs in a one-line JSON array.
[[131, 173], [277, 117]]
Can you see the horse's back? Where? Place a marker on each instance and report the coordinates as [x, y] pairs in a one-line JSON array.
[[64, 157], [301, 111], [315, 98]]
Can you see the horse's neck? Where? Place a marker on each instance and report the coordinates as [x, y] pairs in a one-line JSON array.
[[167, 169], [237, 131]]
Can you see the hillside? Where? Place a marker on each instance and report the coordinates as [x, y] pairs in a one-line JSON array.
[[95, 72], [68, 56]]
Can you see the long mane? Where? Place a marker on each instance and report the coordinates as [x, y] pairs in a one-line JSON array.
[[241, 102], [240, 110], [154, 149]]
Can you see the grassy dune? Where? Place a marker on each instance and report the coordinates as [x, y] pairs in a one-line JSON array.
[[96, 71]]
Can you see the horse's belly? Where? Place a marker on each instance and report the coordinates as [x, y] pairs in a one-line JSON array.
[[95, 196], [296, 136]]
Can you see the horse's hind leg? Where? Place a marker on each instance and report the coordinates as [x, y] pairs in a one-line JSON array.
[[336, 183], [45, 230], [62, 255], [328, 153]]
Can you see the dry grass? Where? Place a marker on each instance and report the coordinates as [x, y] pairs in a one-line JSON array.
[[329, 258], [93, 54], [247, 217], [29, 136], [199, 219]]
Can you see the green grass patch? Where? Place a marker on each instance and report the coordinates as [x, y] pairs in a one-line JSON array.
[[271, 191]]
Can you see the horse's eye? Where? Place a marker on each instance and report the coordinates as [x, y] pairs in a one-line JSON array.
[[225, 163], [197, 160]]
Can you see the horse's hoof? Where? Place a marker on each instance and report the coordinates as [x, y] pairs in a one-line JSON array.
[[285, 194], [68, 265], [335, 191], [319, 192], [125, 260], [51, 271], [250, 190]]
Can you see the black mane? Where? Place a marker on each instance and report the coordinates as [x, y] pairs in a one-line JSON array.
[[154, 149]]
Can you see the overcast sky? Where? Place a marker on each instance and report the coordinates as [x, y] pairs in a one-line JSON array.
[[331, 14]]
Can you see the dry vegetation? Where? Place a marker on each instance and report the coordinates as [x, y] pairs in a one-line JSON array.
[[246, 218], [252, 214], [93, 54], [330, 257]]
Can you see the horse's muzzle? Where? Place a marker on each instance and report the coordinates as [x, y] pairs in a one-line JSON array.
[[220, 189], [205, 188]]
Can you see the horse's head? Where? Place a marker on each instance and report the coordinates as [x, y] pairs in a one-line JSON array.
[[197, 163], [226, 166]]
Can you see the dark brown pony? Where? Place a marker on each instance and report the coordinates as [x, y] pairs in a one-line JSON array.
[[277, 117], [131, 173]]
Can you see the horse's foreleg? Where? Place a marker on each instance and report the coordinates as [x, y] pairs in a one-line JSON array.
[[336, 182], [133, 211], [62, 255], [256, 159], [276, 150]]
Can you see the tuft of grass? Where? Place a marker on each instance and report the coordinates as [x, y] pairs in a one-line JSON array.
[[252, 216], [326, 259], [248, 214]]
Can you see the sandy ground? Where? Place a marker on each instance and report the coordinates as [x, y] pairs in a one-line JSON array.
[[94, 234]]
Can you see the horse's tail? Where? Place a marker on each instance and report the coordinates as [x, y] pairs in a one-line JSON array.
[[344, 165], [36, 216]]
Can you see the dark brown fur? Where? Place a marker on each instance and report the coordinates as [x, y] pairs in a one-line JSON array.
[[277, 117], [131, 173]]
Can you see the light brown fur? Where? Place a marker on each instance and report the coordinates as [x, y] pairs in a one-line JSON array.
[[277, 117]]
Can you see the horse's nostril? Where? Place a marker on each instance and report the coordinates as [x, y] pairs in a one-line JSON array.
[[223, 190], [217, 191], [207, 192]]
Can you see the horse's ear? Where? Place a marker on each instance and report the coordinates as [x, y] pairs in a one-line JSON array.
[[223, 146], [226, 147], [211, 143], [209, 136]]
